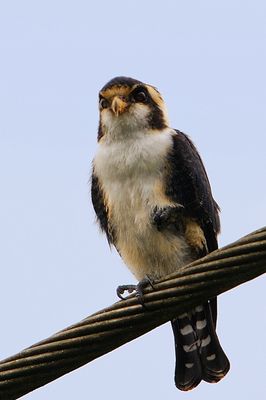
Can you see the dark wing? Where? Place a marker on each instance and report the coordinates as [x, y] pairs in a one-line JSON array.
[[100, 208], [188, 184]]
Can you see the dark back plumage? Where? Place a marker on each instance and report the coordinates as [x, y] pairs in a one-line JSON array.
[[189, 185]]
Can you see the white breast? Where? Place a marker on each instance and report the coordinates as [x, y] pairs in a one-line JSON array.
[[131, 174]]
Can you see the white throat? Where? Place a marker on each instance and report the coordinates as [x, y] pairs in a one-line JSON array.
[[124, 126], [137, 153]]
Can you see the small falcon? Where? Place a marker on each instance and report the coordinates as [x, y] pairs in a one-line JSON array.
[[153, 199]]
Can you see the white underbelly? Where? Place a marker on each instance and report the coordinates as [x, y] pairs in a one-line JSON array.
[[131, 174], [144, 249]]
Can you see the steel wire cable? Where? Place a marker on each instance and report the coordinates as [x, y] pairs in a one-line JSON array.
[[126, 320]]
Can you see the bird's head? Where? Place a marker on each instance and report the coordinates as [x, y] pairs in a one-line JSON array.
[[128, 106]]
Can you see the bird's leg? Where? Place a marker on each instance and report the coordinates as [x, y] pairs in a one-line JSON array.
[[138, 289], [165, 216]]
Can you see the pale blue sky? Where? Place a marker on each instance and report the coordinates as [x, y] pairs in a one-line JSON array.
[[208, 59]]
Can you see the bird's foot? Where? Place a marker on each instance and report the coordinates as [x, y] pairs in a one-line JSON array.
[[138, 289], [165, 216]]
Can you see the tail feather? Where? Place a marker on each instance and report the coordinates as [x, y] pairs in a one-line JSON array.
[[188, 372], [215, 364], [199, 355]]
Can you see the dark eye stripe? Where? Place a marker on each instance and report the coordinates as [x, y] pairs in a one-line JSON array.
[[140, 94], [103, 103]]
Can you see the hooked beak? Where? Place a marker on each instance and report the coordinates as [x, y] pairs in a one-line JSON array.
[[118, 105]]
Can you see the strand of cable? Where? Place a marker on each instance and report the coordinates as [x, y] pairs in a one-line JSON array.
[[127, 319]]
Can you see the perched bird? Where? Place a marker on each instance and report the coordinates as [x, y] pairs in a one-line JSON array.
[[153, 199]]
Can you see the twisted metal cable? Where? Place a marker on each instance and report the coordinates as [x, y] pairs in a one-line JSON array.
[[126, 320]]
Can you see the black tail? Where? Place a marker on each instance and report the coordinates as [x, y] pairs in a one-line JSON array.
[[199, 355], [188, 373]]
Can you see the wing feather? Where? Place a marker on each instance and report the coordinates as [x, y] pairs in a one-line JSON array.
[[100, 207], [188, 184]]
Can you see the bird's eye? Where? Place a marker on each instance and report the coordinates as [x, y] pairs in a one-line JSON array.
[[140, 96], [104, 103]]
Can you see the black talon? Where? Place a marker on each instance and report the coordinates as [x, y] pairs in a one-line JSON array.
[[165, 216], [125, 288], [138, 289]]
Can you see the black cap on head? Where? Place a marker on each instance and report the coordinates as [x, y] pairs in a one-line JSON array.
[[121, 81]]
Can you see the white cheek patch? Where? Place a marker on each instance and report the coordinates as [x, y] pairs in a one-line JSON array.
[[108, 120], [139, 112]]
